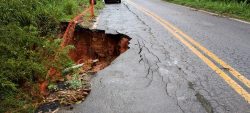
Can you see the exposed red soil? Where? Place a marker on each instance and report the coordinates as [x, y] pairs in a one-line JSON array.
[[95, 44], [96, 50], [90, 45]]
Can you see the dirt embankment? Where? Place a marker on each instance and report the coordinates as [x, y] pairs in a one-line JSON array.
[[93, 51], [97, 45]]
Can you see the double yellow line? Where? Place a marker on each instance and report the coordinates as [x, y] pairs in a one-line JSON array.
[[194, 46]]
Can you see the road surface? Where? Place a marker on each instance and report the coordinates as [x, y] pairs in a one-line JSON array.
[[180, 61]]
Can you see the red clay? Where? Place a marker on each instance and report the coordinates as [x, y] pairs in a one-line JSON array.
[[69, 32], [91, 45], [123, 45]]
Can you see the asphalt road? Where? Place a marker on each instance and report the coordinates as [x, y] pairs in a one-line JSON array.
[[162, 74]]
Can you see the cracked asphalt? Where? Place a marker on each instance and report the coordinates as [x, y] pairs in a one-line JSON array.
[[158, 74]]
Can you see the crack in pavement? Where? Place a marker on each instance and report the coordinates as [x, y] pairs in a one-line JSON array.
[[159, 61], [156, 70]]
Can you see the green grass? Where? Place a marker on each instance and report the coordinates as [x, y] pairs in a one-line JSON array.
[[99, 5], [29, 46], [231, 8]]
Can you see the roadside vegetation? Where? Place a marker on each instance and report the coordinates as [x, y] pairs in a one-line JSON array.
[[29, 47], [234, 8]]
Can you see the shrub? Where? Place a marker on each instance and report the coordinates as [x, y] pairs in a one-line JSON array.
[[29, 47]]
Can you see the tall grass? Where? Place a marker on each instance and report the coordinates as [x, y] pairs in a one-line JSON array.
[[28, 46], [234, 8]]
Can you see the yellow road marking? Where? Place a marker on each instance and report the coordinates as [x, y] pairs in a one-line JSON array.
[[234, 72], [222, 74]]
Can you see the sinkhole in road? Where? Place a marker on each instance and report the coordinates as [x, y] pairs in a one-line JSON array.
[[96, 45], [95, 49]]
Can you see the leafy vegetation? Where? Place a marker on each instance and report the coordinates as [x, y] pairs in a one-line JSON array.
[[234, 8], [75, 83], [29, 47]]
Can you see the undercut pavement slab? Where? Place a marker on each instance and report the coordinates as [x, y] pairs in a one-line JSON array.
[[156, 75]]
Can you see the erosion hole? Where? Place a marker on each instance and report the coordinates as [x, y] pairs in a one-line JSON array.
[[97, 45]]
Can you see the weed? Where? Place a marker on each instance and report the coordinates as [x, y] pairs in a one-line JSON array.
[[75, 82], [52, 87], [234, 8], [29, 47]]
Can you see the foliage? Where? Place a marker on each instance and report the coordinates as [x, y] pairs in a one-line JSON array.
[[19, 59], [52, 87], [29, 47], [75, 83], [54, 55], [239, 1], [235, 8], [99, 5]]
